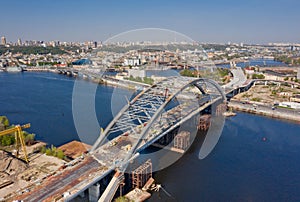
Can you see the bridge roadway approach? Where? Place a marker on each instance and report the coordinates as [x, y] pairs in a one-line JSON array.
[[143, 121]]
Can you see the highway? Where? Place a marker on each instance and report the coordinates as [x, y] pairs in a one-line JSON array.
[[239, 78]]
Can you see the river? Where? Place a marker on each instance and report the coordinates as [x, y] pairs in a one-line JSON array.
[[257, 62], [45, 101], [242, 167]]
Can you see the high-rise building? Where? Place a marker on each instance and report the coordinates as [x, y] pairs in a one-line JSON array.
[[19, 42], [3, 40], [292, 48]]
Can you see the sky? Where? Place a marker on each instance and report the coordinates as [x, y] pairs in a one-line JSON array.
[[219, 21]]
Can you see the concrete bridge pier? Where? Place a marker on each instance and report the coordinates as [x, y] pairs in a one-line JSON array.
[[94, 193]]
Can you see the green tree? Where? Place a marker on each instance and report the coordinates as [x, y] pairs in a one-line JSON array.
[[60, 154], [4, 120], [7, 140], [258, 76], [43, 149], [29, 139], [48, 152], [53, 151], [189, 73]]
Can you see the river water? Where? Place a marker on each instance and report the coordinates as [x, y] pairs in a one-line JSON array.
[[257, 62], [45, 101], [242, 167]]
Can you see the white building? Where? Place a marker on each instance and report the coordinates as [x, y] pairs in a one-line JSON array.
[[3, 40], [132, 62], [298, 74], [293, 105], [19, 42]]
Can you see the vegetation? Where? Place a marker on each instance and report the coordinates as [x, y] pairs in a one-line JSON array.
[[246, 95], [27, 50], [258, 76], [274, 92], [4, 120], [8, 140], [47, 63], [146, 80], [256, 99], [29, 138], [169, 47], [288, 60], [283, 58], [189, 73], [122, 199], [53, 151], [223, 72]]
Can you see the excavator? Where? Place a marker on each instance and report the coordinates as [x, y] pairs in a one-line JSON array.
[[20, 142]]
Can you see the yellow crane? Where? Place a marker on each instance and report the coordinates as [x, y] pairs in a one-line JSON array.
[[20, 142]]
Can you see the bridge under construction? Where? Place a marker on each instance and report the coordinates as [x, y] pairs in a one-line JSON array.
[[150, 116]]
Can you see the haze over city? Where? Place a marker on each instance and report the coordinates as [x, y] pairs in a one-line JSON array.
[[205, 21]]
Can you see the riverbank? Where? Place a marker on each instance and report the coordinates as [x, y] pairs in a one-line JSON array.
[[265, 110], [99, 79]]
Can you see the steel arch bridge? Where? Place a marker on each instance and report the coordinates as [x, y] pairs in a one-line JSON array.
[[137, 118]]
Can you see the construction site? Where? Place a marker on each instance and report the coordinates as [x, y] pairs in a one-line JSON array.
[[23, 167], [31, 175], [270, 93]]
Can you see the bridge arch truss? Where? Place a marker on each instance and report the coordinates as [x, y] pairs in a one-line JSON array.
[[138, 115]]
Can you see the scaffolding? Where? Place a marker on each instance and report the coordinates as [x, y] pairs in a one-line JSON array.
[[142, 174], [204, 122], [182, 140]]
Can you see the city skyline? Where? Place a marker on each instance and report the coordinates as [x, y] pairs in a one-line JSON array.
[[214, 21]]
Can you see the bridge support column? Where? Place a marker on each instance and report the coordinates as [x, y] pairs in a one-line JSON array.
[[204, 122], [221, 108], [142, 174], [94, 193]]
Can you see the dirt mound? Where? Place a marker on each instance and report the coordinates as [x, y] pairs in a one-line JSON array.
[[74, 149]]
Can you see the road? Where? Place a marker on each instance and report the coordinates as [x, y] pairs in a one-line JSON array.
[[267, 110], [239, 78], [58, 184]]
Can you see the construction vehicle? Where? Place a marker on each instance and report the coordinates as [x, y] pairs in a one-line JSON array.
[[20, 142]]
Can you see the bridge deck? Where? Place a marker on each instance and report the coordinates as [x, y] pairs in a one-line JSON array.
[[137, 126]]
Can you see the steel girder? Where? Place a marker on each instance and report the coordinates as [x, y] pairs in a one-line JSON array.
[[149, 104]]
